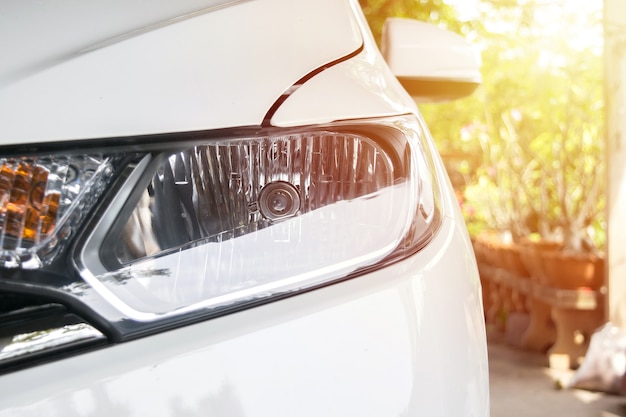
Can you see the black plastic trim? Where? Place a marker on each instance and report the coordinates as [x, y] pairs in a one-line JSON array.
[[33, 319]]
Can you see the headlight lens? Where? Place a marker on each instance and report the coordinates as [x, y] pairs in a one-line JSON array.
[[203, 224], [230, 188]]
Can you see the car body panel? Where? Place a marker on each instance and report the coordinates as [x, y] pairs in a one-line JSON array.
[[375, 91], [35, 34], [201, 73], [406, 340]]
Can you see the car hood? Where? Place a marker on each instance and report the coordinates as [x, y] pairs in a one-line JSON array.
[[111, 68], [35, 34]]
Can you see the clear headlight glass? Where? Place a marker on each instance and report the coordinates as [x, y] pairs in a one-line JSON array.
[[201, 224], [224, 222]]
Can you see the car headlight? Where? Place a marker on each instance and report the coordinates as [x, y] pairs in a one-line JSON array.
[[43, 200], [198, 224]]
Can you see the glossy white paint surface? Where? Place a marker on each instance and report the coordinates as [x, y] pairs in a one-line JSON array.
[[406, 340], [359, 87], [352, 97], [219, 69], [35, 34]]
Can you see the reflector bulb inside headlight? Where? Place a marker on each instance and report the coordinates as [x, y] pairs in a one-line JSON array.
[[226, 189]]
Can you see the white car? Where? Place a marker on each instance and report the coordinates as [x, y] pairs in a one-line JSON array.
[[230, 208]]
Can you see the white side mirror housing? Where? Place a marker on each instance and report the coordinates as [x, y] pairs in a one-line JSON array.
[[431, 63]]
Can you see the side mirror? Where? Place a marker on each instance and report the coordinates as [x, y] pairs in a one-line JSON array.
[[432, 64]]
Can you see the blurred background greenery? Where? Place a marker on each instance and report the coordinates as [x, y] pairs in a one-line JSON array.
[[525, 152]]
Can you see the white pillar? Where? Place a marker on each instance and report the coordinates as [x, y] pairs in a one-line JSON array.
[[615, 83]]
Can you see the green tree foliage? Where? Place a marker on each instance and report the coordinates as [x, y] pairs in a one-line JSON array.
[[527, 146], [434, 11]]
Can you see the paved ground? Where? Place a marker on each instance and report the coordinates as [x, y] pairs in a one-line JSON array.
[[523, 386]]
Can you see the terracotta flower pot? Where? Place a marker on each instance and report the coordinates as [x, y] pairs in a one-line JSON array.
[[573, 270], [479, 250], [490, 248], [513, 260], [531, 255], [501, 253]]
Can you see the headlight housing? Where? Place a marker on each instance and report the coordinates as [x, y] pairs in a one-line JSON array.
[[197, 224]]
